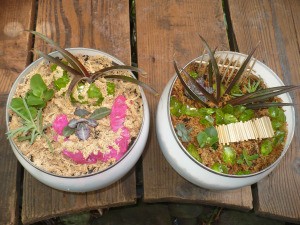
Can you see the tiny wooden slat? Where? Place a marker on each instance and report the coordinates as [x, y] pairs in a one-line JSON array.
[[168, 29], [277, 25], [102, 25], [15, 16]]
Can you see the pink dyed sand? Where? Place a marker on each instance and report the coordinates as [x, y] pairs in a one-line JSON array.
[[117, 119]]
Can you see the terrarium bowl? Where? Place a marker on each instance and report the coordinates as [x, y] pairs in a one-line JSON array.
[[92, 181], [191, 169]]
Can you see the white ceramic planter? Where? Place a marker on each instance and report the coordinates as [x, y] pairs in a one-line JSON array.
[[92, 181], [194, 171]]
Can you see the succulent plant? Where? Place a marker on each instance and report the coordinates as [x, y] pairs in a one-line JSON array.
[[81, 73], [255, 98], [81, 126]]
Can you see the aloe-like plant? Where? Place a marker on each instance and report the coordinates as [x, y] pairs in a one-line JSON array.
[[255, 98], [81, 73]]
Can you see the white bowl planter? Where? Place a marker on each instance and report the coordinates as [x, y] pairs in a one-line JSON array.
[[194, 171], [92, 181]]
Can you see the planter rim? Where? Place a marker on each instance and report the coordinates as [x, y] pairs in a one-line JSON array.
[[35, 63], [209, 169]]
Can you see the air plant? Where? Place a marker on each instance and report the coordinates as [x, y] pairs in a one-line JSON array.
[[256, 98], [81, 73]]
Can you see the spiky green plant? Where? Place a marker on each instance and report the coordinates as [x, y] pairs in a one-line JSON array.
[[81, 73], [256, 99]]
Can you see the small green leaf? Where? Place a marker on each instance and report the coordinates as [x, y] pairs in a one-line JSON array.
[[252, 87], [236, 91], [276, 124], [100, 113], [48, 94], [94, 92], [175, 106], [252, 157], [207, 120], [273, 111], [194, 74], [202, 139], [62, 81], [229, 118], [222, 88], [219, 116], [278, 138], [37, 85], [228, 109], [33, 100], [247, 158], [206, 111], [281, 116], [229, 155], [110, 88], [266, 147], [220, 168], [238, 110], [208, 137], [53, 67], [248, 114], [194, 152], [17, 103], [211, 131]]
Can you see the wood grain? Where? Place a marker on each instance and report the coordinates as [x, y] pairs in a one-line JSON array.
[[102, 25], [15, 16], [276, 24], [167, 29]]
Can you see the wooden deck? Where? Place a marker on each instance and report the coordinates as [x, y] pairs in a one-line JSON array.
[[164, 29]]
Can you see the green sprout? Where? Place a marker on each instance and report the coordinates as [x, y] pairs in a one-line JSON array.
[[252, 87], [245, 157], [29, 109]]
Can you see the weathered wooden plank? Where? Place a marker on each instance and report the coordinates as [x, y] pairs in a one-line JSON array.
[[166, 29], [276, 24], [102, 25], [14, 17]]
